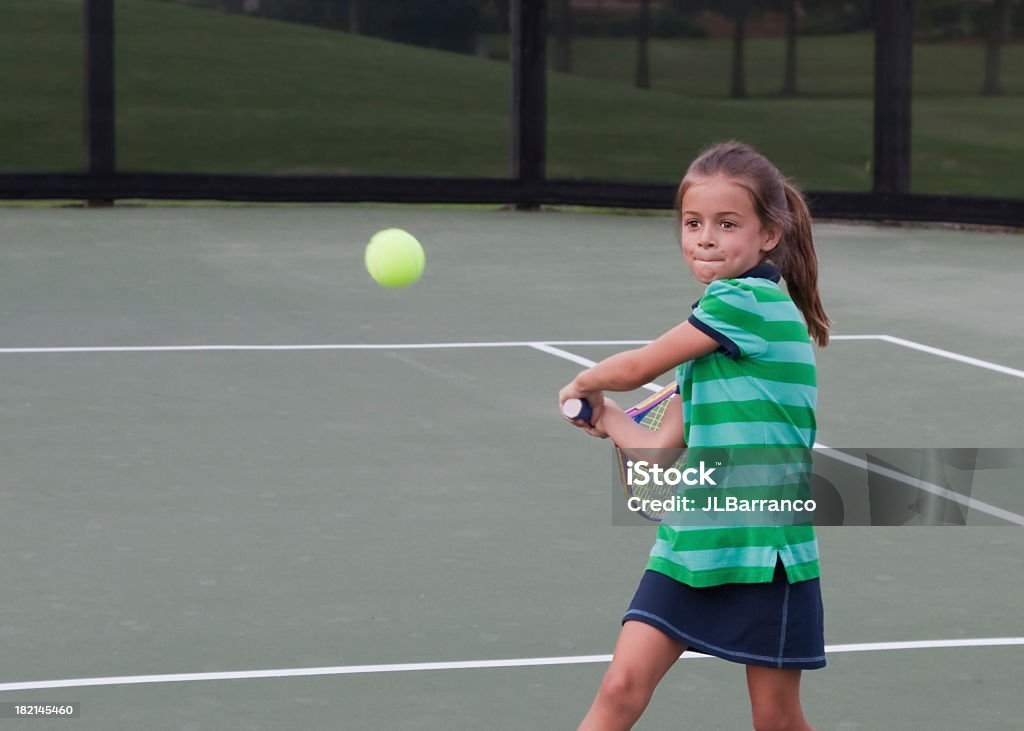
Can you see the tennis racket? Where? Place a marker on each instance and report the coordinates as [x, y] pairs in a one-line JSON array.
[[648, 414]]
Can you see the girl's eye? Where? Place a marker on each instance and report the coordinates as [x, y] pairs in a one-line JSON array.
[[728, 224], [691, 223]]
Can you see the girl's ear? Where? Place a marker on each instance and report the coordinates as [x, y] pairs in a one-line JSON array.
[[774, 235]]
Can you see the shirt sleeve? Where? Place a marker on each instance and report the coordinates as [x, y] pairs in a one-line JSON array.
[[730, 314]]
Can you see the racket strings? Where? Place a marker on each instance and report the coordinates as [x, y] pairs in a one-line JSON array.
[[650, 420]]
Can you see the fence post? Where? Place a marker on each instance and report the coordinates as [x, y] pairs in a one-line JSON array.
[[527, 57], [894, 38], [98, 86]]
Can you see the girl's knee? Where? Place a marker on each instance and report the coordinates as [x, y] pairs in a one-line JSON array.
[[625, 691]]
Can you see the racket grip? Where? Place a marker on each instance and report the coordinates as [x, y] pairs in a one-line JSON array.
[[577, 408]]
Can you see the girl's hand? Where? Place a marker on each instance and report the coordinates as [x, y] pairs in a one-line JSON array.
[[597, 429], [594, 398]]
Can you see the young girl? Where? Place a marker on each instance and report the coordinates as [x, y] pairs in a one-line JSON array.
[[748, 594]]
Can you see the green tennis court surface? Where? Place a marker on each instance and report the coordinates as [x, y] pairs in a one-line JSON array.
[[209, 475]]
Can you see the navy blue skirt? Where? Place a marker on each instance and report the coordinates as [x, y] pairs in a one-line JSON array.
[[776, 625]]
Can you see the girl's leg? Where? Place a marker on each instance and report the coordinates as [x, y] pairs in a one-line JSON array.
[[775, 699], [642, 657]]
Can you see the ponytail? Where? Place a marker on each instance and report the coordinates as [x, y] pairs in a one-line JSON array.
[[799, 267]]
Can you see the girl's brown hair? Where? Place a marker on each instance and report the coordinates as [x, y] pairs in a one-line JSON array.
[[779, 206]]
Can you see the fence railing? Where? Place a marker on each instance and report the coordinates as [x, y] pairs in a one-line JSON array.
[[527, 184]]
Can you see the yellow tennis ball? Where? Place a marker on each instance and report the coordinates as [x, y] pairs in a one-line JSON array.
[[394, 258]]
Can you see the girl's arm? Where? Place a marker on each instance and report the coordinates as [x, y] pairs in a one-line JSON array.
[[662, 446], [633, 368]]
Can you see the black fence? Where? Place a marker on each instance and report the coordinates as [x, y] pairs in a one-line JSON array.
[[524, 102]]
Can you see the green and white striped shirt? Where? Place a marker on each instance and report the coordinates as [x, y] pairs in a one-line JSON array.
[[748, 407]]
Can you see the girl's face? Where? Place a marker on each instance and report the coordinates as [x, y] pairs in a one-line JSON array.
[[722, 236]]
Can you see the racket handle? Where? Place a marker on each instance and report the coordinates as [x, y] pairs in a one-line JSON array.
[[577, 408]]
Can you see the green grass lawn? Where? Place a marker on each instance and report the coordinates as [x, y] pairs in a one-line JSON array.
[[200, 90], [40, 85]]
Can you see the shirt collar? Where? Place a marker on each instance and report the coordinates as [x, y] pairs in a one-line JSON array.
[[764, 270]]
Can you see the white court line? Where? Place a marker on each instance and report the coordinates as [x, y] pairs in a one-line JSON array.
[[563, 354], [579, 359], [461, 665], [953, 356], [341, 346], [214, 348], [969, 503], [539, 345], [316, 346], [988, 365]]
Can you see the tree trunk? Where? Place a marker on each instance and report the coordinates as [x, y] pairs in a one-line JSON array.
[[353, 16], [333, 15], [563, 37], [738, 88], [789, 76], [504, 15], [992, 85], [643, 61]]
